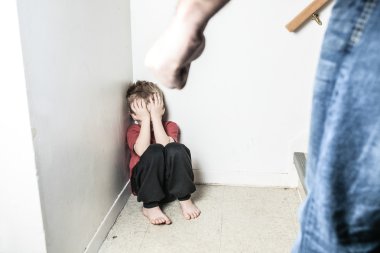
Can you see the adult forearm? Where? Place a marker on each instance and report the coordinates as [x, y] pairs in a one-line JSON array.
[[143, 141], [159, 132], [182, 42], [198, 12]]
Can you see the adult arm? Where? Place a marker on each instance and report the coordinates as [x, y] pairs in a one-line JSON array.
[[182, 42]]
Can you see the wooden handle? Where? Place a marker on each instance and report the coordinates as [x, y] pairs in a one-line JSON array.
[[305, 14]]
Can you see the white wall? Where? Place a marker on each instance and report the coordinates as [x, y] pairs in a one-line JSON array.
[[78, 62], [246, 106], [21, 228]]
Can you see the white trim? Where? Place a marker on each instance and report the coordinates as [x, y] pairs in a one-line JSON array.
[[301, 191], [245, 178], [108, 221]]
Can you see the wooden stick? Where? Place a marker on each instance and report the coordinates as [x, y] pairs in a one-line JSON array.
[[305, 14]]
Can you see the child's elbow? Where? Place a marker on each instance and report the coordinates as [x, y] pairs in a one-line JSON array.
[[140, 150]]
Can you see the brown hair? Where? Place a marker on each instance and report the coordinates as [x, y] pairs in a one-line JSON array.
[[142, 89]]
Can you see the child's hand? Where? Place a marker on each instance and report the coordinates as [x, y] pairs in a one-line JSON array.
[[157, 108], [140, 110]]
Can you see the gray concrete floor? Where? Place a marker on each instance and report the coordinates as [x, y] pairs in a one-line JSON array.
[[233, 219]]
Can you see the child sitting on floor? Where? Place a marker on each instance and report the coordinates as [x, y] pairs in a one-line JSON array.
[[160, 166]]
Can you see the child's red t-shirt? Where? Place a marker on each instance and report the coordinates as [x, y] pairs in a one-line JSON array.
[[133, 132]]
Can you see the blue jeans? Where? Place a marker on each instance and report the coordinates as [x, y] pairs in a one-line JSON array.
[[342, 210]]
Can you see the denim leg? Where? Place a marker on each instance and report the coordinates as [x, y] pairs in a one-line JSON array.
[[342, 210]]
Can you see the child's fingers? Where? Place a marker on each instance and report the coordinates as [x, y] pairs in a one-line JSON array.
[[133, 106], [161, 99], [151, 100], [143, 104], [136, 105], [157, 98]]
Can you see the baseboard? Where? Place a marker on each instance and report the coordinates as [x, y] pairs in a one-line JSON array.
[[246, 178], [108, 221]]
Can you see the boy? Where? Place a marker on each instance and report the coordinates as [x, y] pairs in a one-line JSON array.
[[160, 167]]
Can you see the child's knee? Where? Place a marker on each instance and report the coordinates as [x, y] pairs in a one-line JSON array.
[[154, 150], [176, 148]]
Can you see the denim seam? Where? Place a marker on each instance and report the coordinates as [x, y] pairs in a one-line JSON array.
[[360, 24], [307, 223]]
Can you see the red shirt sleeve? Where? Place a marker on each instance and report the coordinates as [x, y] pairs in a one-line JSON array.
[[132, 135], [172, 130]]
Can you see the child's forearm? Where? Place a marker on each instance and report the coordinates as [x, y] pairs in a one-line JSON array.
[[159, 132], [143, 141]]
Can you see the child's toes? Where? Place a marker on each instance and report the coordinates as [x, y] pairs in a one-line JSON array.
[[187, 216]]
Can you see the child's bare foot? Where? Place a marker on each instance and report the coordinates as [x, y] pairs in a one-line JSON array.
[[156, 216], [189, 210]]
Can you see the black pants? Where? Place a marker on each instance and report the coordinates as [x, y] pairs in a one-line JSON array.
[[163, 174]]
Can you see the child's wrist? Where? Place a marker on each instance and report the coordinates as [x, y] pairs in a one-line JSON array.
[[156, 117], [145, 120]]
